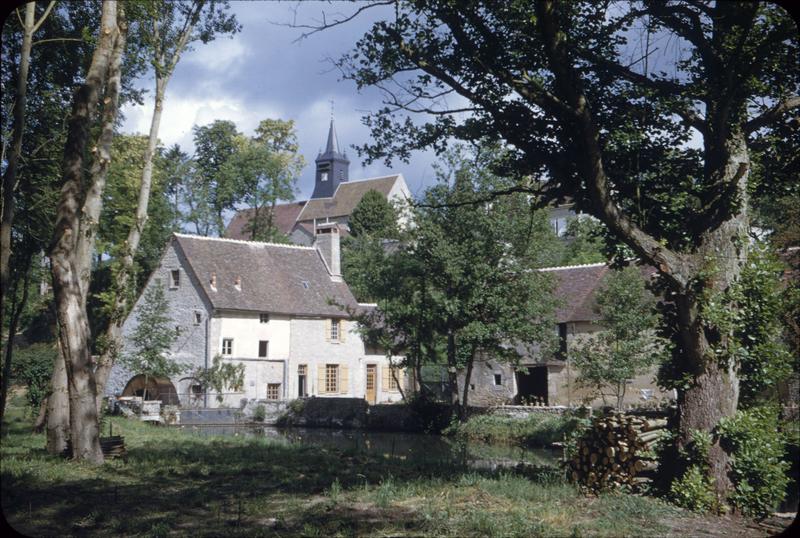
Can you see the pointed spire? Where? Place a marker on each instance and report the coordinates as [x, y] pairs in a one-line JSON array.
[[333, 141]]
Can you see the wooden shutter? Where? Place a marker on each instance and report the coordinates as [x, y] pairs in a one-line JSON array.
[[344, 379], [342, 331], [320, 379], [327, 329], [385, 374]]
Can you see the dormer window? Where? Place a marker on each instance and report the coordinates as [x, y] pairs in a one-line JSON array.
[[323, 176], [263, 318], [237, 283], [198, 317], [175, 279], [213, 281], [304, 283]]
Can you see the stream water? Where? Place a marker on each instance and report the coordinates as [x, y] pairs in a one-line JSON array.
[[413, 446]]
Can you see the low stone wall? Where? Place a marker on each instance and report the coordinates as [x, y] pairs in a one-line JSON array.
[[326, 413], [524, 411]]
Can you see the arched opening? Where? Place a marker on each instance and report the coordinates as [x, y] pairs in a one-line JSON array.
[[158, 388]]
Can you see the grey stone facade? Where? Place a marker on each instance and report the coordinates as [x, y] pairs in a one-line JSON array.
[[186, 301]]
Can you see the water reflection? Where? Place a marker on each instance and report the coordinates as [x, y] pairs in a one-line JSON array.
[[413, 446]]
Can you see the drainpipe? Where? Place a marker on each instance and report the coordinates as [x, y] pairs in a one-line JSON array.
[[205, 390], [285, 378]]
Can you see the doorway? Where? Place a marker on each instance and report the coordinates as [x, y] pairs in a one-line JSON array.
[[372, 376], [532, 385]]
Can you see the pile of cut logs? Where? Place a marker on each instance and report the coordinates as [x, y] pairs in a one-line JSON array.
[[113, 447], [616, 450]]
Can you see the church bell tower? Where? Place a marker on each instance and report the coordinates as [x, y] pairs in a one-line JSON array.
[[332, 167]]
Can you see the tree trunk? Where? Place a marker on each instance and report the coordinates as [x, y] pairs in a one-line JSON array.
[[16, 312], [58, 407], [114, 332], [74, 333], [452, 371], [467, 378], [41, 417], [10, 176], [714, 391]]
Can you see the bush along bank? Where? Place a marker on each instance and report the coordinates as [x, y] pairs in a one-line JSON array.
[[532, 431]]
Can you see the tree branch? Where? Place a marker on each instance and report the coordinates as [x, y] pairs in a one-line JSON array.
[[44, 16], [772, 114], [337, 22]]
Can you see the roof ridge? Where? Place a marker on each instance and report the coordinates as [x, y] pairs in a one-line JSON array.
[[226, 239], [558, 268]]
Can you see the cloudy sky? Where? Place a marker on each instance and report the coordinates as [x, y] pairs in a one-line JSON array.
[[262, 73]]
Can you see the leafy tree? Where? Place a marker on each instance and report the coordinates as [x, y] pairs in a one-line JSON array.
[[586, 244], [152, 339], [373, 215], [264, 170], [208, 194], [120, 201], [457, 284], [555, 82], [221, 377], [627, 345]]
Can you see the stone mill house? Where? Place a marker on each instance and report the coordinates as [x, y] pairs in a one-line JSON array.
[[271, 307]]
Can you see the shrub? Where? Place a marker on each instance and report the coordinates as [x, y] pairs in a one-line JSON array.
[[694, 490], [259, 413], [33, 367], [758, 467]]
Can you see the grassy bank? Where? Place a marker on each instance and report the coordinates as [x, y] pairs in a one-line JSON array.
[[176, 483], [539, 430]]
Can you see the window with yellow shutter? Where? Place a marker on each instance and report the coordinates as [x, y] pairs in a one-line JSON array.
[[331, 378]]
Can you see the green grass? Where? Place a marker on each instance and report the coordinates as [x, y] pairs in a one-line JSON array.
[[534, 430], [176, 483]]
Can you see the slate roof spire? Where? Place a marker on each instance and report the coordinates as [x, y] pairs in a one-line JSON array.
[[333, 166], [333, 141]]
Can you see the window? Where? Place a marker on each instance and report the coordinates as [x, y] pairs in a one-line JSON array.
[[175, 278], [562, 341], [227, 346], [498, 379], [273, 391], [263, 348], [301, 381], [393, 380], [323, 176], [177, 330], [335, 329], [331, 378], [198, 318], [388, 382], [263, 318]]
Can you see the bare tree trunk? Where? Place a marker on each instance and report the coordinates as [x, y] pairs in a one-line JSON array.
[[113, 335], [74, 333]]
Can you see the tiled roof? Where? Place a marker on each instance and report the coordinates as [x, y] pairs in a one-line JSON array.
[[284, 218], [576, 287], [346, 197], [281, 279]]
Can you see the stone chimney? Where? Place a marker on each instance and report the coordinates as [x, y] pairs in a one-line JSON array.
[[326, 241]]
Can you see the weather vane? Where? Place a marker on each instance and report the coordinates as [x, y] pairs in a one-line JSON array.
[[331, 109]]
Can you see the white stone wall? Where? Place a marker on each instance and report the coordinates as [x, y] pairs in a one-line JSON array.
[[310, 347]]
